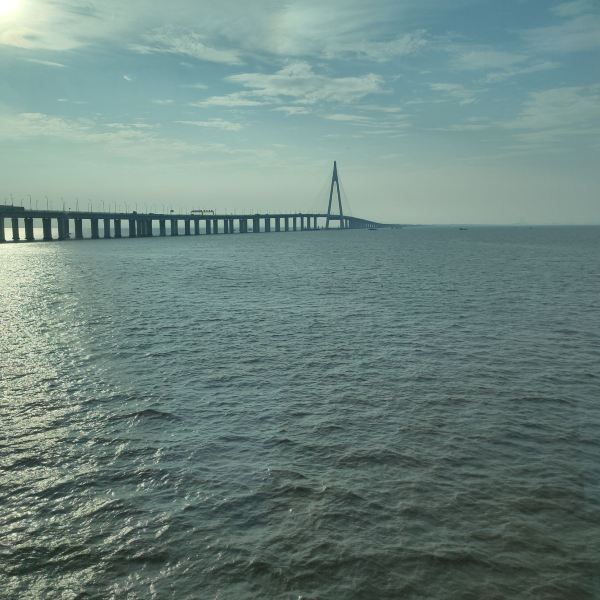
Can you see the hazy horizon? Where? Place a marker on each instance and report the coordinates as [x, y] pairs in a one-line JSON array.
[[475, 113]]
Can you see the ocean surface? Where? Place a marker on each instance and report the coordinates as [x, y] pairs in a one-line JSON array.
[[409, 413]]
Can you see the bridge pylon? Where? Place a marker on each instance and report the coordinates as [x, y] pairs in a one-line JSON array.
[[335, 181]]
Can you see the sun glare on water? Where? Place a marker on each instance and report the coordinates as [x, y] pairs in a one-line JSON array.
[[8, 7]]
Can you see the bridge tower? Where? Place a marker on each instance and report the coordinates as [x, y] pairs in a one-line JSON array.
[[335, 181]]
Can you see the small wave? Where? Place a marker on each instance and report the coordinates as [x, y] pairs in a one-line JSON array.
[[146, 413]]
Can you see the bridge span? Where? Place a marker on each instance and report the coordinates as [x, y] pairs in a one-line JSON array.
[[59, 225], [66, 225]]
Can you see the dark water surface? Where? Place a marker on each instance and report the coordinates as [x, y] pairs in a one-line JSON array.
[[395, 414]]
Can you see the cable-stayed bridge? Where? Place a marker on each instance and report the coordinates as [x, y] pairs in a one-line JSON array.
[[67, 225]]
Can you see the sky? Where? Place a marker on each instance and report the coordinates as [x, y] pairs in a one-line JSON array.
[[437, 111]]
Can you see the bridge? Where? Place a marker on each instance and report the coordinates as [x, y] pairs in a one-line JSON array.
[[144, 224]]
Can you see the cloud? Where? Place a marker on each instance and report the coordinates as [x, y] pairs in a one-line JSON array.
[[235, 100], [47, 63], [127, 77], [575, 109], [214, 124], [404, 45], [508, 73], [162, 102], [299, 82], [547, 119], [456, 91], [475, 59], [137, 141], [350, 118], [574, 8], [390, 126], [578, 32], [292, 110], [190, 44]]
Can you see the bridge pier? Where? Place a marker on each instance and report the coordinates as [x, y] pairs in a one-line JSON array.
[[106, 229], [295, 223], [208, 227], [215, 226], [186, 227], [117, 228], [78, 228], [301, 222], [286, 223], [2, 234], [29, 229], [162, 225], [15, 229], [63, 228], [47, 229], [225, 225], [267, 224], [277, 223], [256, 224], [174, 227], [231, 226], [132, 232], [94, 226], [196, 226]]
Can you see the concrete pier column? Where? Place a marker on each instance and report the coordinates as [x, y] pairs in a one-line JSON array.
[[132, 231], [255, 224], [208, 227], [196, 226], [225, 225], [149, 222], [174, 227], [267, 224], [106, 228], [78, 228], [29, 229], [315, 223], [277, 223], [241, 225], [301, 222], [140, 227], [2, 234], [162, 226], [286, 223], [94, 225], [62, 234], [186, 227], [117, 228], [231, 226], [295, 223], [215, 225], [47, 229], [15, 229]]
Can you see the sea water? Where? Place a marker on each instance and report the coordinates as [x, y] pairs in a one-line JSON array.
[[410, 413]]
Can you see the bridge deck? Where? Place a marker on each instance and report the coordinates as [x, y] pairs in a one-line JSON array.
[[143, 224]]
